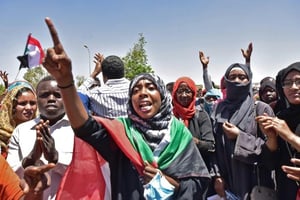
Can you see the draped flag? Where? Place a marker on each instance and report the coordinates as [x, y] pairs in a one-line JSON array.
[[33, 54], [87, 177]]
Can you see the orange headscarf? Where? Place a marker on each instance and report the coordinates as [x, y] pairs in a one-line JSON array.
[[179, 111]]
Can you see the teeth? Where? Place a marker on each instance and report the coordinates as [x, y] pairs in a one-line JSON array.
[[144, 104], [145, 108]]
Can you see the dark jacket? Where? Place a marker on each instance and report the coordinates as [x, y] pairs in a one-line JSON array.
[[127, 184]]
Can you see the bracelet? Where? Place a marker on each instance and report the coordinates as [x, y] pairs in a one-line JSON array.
[[67, 86]]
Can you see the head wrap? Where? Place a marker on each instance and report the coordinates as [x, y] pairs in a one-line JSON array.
[[7, 121], [238, 107], [154, 128], [280, 78], [208, 106], [264, 83], [284, 109], [20, 83], [179, 111]]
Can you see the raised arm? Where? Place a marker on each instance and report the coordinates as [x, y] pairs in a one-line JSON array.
[[98, 59], [247, 53], [206, 77], [89, 83], [4, 77], [59, 65]]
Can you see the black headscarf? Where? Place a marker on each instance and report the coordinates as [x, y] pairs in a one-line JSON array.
[[266, 82], [238, 107], [289, 112]]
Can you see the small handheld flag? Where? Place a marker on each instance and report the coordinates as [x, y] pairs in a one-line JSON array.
[[33, 54]]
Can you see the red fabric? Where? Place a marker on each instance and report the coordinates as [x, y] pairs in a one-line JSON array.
[[36, 43], [117, 132], [298, 195], [179, 111], [223, 87], [83, 178]]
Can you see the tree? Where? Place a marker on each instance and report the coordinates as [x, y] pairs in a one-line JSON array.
[[2, 89], [136, 59], [34, 75], [79, 80]]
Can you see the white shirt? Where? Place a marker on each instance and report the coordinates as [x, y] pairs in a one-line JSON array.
[[108, 100], [22, 142]]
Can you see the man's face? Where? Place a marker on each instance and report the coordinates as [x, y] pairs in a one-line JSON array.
[[50, 103]]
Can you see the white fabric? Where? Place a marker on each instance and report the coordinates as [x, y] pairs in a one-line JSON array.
[[34, 56], [108, 100], [22, 142]]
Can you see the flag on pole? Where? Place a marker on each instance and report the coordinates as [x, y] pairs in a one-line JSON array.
[[33, 54]]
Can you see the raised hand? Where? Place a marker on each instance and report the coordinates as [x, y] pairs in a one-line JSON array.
[[47, 142], [247, 53], [204, 60], [4, 77], [98, 59], [59, 65], [56, 61]]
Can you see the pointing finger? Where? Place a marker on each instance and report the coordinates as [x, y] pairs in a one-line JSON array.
[[56, 42]]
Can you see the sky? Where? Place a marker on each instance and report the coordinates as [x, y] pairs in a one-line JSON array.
[[175, 31]]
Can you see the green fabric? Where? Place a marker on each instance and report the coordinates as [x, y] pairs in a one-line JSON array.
[[180, 137]]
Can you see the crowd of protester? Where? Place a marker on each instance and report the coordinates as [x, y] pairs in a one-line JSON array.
[[144, 139]]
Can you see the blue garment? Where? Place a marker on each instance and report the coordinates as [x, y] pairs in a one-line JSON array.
[[209, 105], [85, 100]]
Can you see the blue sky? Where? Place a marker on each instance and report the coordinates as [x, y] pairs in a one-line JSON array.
[[175, 30]]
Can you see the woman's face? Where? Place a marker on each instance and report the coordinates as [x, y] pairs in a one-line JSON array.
[[238, 75], [26, 107], [291, 87], [184, 95], [146, 99]]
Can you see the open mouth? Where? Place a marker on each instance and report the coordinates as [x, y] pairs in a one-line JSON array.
[[145, 106]]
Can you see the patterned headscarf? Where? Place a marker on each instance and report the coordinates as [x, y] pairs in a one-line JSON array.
[[153, 128], [7, 122], [179, 111]]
